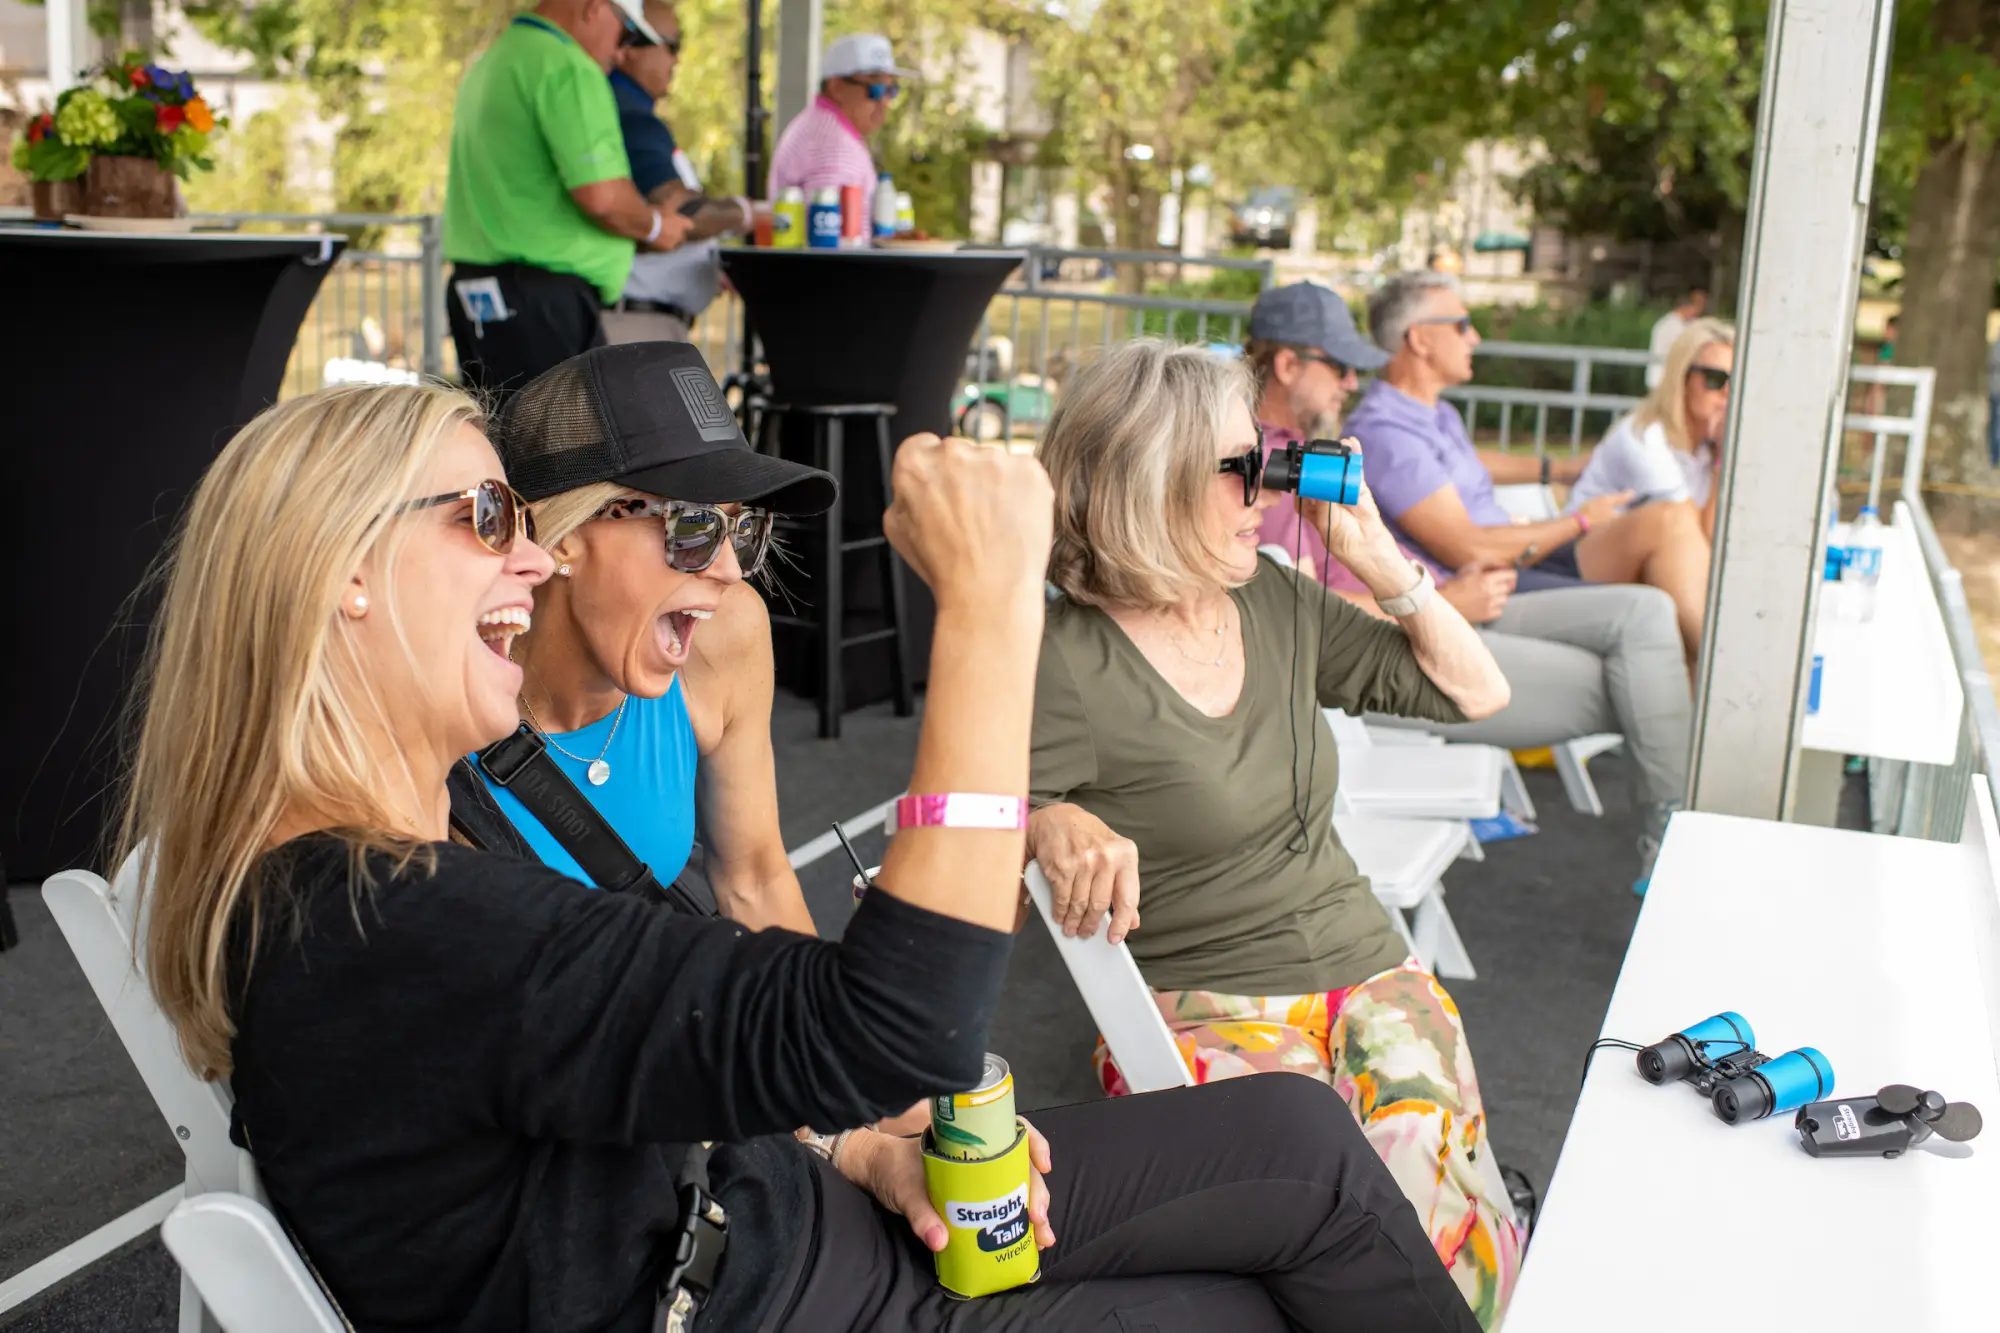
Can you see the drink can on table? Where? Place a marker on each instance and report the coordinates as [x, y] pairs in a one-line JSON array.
[[788, 219], [853, 215], [977, 1124], [823, 220]]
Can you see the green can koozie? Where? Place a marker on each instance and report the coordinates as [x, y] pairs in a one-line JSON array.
[[990, 1243]]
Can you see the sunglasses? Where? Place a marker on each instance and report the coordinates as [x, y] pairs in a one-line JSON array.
[[1463, 323], [630, 35], [500, 517], [695, 533], [1250, 467], [1713, 378], [1340, 368], [879, 92]]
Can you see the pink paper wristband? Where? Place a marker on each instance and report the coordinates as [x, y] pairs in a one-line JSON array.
[[957, 809]]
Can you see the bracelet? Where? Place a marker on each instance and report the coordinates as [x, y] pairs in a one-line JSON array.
[[659, 221], [749, 213], [956, 809], [839, 1142], [1582, 526]]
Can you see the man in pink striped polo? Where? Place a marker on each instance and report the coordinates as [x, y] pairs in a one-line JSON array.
[[826, 146]]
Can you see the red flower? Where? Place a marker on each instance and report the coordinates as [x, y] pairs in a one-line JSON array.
[[137, 78], [36, 129], [168, 119]]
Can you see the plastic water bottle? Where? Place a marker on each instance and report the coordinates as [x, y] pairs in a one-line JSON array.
[[1861, 572], [884, 213]]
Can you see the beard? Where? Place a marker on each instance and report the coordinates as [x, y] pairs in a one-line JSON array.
[[1316, 423]]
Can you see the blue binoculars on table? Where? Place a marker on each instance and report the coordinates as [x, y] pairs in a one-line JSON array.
[[1719, 1056], [1327, 470]]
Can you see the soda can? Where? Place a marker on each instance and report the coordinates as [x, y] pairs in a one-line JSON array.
[[823, 219], [788, 219], [853, 215], [978, 1124], [989, 1237]]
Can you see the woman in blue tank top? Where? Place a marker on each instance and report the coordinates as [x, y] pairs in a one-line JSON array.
[[648, 667]]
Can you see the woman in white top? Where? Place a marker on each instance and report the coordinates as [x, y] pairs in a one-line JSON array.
[[1667, 449]]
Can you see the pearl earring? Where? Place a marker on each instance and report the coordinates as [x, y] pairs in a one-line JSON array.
[[360, 604], [563, 570]]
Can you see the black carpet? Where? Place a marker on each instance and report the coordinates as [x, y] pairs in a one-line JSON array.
[[1545, 918]]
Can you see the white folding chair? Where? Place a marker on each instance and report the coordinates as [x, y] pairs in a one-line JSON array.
[[100, 922], [1120, 1002], [1415, 781], [1571, 756], [244, 1266], [1405, 861], [1531, 502]]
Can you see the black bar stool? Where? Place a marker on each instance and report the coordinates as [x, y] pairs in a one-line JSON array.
[[828, 620]]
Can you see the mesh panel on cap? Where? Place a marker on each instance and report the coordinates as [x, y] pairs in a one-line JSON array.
[[554, 436]]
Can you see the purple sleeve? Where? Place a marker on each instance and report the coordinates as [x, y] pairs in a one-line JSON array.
[[1400, 466]]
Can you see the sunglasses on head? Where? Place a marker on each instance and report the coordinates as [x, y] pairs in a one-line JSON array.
[[1249, 466], [1713, 378], [878, 92], [499, 515], [695, 532]]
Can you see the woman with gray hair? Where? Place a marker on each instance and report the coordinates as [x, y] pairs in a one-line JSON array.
[[1179, 744]]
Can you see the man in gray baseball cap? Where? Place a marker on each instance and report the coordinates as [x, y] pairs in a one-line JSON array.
[[1307, 357]]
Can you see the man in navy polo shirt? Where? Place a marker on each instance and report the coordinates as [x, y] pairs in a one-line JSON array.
[[665, 292]]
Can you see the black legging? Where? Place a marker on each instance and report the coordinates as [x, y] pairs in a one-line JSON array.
[[1251, 1204]]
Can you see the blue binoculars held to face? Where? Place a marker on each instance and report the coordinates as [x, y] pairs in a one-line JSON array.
[[1719, 1056], [1327, 470]]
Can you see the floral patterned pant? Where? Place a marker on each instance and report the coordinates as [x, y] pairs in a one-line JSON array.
[[1394, 1049]]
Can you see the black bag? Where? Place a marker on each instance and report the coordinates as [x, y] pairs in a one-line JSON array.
[[522, 765]]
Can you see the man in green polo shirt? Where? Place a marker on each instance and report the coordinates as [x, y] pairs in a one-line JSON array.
[[540, 215]]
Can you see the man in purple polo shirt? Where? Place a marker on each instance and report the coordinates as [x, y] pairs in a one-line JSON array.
[[1578, 660], [1437, 490]]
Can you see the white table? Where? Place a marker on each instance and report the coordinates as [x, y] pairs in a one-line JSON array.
[[1888, 686], [1874, 949]]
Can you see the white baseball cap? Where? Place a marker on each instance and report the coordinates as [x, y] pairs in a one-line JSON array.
[[636, 11], [860, 53]]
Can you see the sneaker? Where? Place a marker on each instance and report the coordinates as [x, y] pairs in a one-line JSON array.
[[1639, 886]]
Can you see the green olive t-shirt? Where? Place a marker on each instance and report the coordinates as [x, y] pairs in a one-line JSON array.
[[535, 119], [1227, 901]]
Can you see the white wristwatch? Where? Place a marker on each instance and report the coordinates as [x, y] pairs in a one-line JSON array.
[[1413, 601]]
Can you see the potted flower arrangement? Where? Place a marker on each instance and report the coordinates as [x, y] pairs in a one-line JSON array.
[[123, 138]]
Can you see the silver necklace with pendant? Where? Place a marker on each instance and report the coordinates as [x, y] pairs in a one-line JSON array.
[[1222, 649], [598, 771]]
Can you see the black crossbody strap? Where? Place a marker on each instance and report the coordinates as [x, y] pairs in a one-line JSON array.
[[522, 765]]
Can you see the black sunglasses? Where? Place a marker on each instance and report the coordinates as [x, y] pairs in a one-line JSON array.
[[1463, 323], [631, 35], [1339, 368], [499, 515], [1249, 466], [695, 533], [1713, 378]]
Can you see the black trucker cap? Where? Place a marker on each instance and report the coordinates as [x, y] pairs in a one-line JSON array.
[[649, 416]]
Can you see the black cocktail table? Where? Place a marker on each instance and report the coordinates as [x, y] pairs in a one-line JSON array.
[[129, 361], [854, 326]]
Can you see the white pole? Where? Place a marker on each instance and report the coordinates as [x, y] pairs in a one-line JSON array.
[[798, 60], [1825, 66], [68, 31]]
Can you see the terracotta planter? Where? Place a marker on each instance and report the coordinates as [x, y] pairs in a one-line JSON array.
[[56, 199], [129, 187]]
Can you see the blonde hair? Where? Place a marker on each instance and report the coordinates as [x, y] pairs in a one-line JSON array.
[[252, 703], [1666, 405], [1131, 453], [563, 513]]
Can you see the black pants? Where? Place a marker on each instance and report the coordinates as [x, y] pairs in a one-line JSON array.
[[1252, 1205], [552, 317]]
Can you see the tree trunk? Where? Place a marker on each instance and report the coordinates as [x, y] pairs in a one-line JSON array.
[[1948, 272]]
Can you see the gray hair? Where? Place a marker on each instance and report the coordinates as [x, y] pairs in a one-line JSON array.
[[1399, 302], [1131, 453]]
